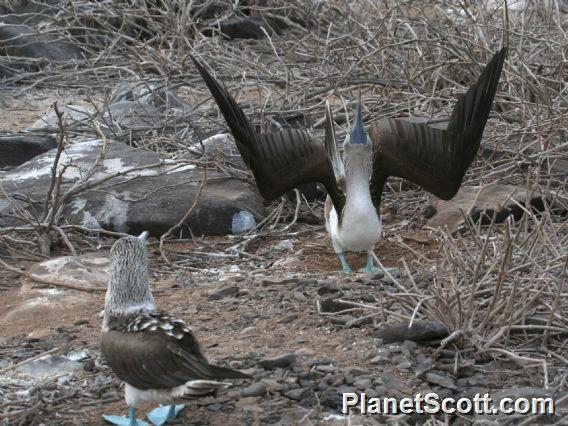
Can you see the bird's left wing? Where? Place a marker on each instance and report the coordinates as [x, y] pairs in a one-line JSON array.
[[435, 159]]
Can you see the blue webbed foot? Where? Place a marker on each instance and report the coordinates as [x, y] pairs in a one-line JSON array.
[[371, 268], [344, 263], [160, 415], [125, 421]]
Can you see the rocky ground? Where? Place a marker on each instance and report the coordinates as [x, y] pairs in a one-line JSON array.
[[297, 333]]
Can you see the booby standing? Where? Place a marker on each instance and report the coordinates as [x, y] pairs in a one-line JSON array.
[[153, 352], [432, 158]]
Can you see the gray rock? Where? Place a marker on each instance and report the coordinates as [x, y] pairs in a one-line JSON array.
[[330, 398], [133, 115], [482, 202], [9, 67], [16, 149], [228, 291], [272, 385], [362, 383], [419, 332], [73, 115], [404, 366], [391, 383], [24, 41], [49, 366], [443, 381], [243, 221], [423, 364], [298, 394], [90, 270], [244, 27], [280, 361], [218, 147], [381, 359], [153, 199], [256, 389], [149, 93]]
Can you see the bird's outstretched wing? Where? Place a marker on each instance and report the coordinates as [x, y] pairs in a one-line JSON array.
[[432, 158], [158, 351], [280, 161], [332, 147]]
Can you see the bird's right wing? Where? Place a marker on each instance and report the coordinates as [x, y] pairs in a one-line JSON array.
[[332, 148], [280, 161]]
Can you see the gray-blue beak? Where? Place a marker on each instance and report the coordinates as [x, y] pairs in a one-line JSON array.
[[144, 236], [358, 134]]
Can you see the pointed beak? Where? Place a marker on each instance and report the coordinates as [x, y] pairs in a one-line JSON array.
[[144, 236], [358, 134]]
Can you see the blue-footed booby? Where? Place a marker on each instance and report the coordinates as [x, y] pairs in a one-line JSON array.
[[432, 158], [154, 353]]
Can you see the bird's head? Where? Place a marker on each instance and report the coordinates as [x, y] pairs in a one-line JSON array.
[[128, 288], [358, 134]]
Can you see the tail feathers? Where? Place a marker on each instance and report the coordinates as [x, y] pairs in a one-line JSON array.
[[472, 110], [226, 373], [198, 388]]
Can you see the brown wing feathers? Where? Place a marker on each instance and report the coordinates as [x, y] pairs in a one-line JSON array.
[[280, 161], [154, 360], [433, 158]]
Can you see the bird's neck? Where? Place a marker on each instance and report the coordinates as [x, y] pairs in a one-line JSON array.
[[357, 173], [128, 293]]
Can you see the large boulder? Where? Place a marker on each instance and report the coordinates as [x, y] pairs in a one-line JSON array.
[[24, 41], [481, 202], [152, 199], [16, 149]]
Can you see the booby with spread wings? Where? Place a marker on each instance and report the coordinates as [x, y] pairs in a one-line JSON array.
[[432, 158], [154, 353]]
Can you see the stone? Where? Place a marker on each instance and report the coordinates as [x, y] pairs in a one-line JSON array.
[[243, 221], [291, 262], [153, 199], [73, 116], [49, 366], [481, 202], [256, 389], [272, 385], [133, 115], [298, 394], [42, 311], [89, 270], [304, 352], [9, 67], [362, 383], [280, 361], [391, 383], [148, 93], [440, 380], [329, 287], [228, 291], [244, 27], [330, 398], [419, 332], [218, 147], [28, 42], [423, 364], [276, 281], [17, 148]]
